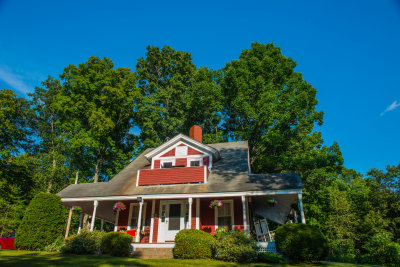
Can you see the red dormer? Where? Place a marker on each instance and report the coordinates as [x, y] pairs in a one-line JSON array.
[[181, 160]]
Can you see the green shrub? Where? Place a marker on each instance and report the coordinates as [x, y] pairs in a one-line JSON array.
[[116, 244], [270, 258], [342, 250], [43, 222], [84, 243], [381, 250], [193, 244], [236, 246], [301, 242], [221, 231], [56, 245]]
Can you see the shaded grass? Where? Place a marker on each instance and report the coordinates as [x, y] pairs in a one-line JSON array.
[[21, 258]]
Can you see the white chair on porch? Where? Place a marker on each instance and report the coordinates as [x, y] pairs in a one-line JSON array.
[[268, 235], [259, 234]]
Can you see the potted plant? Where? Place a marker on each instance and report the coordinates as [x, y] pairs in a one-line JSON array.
[[119, 206], [272, 202], [216, 203]]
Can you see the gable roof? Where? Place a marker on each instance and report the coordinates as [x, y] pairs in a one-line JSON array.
[[229, 174], [181, 137]]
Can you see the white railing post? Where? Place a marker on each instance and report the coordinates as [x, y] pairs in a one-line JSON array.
[[95, 204], [303, 219], [116, 221], [245, 226], [137, 238], [153, 208], [190, 212]]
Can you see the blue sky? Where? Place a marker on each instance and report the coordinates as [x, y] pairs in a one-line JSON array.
[[348, 50]]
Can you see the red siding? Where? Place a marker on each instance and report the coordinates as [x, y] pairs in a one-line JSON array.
[[182, 145], [181, 162], [172, 176], [238, 213], [207, 218], [192, 151], [124, 215], [156, 164], [205, 161], [207, 215], [170, 153], [155, 226]]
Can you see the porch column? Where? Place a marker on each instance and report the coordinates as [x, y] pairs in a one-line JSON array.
[[190, 212], [116, 221], [95, 204], [102, 225], [198, 213], [80, 222], [153, 208], [245, 226], [137, 239], [303, 219]]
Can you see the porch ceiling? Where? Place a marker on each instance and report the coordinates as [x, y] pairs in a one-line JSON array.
[[104, 209], [277, 213]]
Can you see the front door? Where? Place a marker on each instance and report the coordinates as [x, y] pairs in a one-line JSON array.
[[172, 220]]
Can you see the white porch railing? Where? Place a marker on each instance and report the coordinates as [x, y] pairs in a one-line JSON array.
[[268, 247]]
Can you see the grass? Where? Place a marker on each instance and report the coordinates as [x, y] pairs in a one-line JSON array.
[[37, 258]]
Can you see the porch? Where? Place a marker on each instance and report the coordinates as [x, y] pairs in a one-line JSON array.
[[160, 217]]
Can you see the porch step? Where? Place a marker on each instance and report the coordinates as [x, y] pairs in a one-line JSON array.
[[152, 253]]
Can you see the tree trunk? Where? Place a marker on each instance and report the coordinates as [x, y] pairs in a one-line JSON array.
[[97, 170], [53, 170]]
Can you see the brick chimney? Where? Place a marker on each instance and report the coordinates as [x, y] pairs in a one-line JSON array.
[[196, 133]]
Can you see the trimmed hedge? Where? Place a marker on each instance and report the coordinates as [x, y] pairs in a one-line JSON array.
[[84, 243], [116, 244], [194, 244], [236, 246], [301, 242], [43, 222]]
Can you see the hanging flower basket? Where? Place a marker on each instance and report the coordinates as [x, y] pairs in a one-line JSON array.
[[216, 203], [119, 206], [272, 202]]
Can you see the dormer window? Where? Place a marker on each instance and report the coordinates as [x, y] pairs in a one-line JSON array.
[[194, 163], [166, 164]]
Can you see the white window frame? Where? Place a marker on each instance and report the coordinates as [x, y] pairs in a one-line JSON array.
[[189, 160], [232, 214], [162, 161], [143, 215]]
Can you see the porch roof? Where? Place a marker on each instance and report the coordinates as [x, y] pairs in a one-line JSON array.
[[229, 174]]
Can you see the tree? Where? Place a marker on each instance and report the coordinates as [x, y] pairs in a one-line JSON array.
[[385, 196], [15, 132], [52, 174], [96, 106], [16, 177], [271, 106], [43, 222], [176, 96]]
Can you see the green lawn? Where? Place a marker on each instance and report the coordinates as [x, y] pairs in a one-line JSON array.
[[34, 258]]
